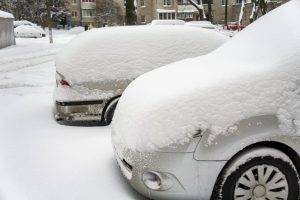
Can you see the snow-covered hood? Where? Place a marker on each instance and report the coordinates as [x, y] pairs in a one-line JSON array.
[[123, 53], [257, 72]]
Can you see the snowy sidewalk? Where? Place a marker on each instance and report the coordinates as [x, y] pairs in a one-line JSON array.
[[40, 159]]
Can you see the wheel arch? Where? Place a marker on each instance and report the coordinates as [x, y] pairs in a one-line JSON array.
[[106, 107], [290, 152]]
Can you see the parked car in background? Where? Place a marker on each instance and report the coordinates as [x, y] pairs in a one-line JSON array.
[[234, 27], [25, 31], [202, 24], [210, 26], [28, 23], [95, 68], [221, 126], [167, 22]]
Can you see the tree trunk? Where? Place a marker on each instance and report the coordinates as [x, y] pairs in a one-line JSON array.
[[241, 14], [226, 13], [130, 12], [49, 21], [210, 15], [197, 7]]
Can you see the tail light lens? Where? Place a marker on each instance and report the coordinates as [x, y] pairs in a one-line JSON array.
[[60, 79], [64, 83]]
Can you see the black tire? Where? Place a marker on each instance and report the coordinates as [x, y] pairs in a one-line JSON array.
[[227, 185], [109, 114]]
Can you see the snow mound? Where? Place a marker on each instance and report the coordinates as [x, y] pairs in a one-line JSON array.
[[76, 30], [5, 15], [123, 53], [255, 73]]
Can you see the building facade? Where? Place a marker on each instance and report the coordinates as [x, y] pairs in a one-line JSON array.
[[148, 10], [96, 12]]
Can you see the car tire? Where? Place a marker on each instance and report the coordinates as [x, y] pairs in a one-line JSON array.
[[263, 174], [110, 111]]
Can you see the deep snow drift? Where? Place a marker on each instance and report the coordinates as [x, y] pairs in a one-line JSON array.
[[255, 73], [40, 159]]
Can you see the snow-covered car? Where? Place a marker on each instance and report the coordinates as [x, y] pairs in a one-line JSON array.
[[26, 31], [28, 23], [22, 22], [226, 130], [167, 22], [210, 26], [228, 33], [202, 24], [95, 68]]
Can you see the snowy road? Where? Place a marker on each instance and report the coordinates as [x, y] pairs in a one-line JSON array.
[[40, 159]]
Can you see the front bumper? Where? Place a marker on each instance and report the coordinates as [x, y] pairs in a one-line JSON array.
[[184, 177], [81, 112]]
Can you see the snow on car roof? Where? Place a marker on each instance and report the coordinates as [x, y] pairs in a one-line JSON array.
[[123, 53], [255, 73], [168, 22], [26, 29], [23, 22], [5, 14]]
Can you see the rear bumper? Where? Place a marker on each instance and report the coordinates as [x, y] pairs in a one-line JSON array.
[[80, 112]]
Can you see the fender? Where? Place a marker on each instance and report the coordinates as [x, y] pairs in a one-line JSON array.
[[245, 133]]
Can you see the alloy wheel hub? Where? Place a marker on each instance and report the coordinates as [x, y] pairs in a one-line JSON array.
[[259, 191], [261, 182]]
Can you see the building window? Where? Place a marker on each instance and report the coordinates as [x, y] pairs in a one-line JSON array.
[[167, 2], [143, 3], [223, 2], [206, 1], [143, 19], [88, 1], [183, 2], [88, 12], [74, 1], [74, 14], [238, 1], [166, 16]]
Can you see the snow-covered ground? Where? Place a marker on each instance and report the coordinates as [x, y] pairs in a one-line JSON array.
[[40, 159]]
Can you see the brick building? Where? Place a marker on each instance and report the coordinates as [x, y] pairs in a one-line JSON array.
[[148, 10], [96, 12]]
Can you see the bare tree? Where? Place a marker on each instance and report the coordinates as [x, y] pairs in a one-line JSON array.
[[258, 7], [199, 6], [109, 12]]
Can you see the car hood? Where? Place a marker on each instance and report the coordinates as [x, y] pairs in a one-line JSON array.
[[255, 73]]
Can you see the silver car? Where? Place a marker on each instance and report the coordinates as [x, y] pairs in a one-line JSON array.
[[95, 68], [231, 134]]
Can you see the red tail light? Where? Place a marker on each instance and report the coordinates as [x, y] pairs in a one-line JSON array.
[[64, 83]]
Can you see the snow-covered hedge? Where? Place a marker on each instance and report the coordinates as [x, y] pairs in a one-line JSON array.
[[256, 73]]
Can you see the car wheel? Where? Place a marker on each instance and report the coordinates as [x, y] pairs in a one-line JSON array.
[[110, 111], [262, 174]]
